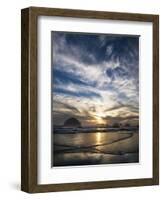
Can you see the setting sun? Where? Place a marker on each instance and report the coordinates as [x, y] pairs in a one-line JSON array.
[[99, 120]]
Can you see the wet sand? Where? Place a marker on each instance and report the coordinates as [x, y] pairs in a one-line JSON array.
[[95, 148]]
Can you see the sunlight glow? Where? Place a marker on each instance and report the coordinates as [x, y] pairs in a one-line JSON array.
[[98, 137], [99, 120]]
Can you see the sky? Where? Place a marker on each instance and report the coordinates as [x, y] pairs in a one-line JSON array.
[[95, 78]]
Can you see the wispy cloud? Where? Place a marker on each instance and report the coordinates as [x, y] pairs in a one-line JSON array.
[[95, 75]]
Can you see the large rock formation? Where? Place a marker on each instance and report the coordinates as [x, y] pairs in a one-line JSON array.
[[72, 122]]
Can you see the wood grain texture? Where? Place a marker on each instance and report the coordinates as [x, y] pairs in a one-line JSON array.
[[29, 99], [24, 100], [91, 14], [156, 100]]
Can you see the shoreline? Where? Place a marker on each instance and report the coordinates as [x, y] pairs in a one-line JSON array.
[[91, 130]]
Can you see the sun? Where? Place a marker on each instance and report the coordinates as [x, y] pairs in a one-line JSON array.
[[99, 116], [99, 120]]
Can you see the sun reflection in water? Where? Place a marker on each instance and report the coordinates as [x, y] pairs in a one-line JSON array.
[[98, 137]]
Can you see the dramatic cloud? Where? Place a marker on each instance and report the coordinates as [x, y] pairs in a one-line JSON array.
[[95, 78]]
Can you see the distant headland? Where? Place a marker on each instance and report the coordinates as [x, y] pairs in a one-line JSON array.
[[72, 123]]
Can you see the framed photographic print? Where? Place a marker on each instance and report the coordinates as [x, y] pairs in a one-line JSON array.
[[90, 100]]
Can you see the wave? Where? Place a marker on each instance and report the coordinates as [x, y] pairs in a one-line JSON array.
[[94, 148]]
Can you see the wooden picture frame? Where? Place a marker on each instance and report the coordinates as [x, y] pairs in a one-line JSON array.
[[29, 110]]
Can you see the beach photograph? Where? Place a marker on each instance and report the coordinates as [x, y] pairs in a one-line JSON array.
[[95, 99]]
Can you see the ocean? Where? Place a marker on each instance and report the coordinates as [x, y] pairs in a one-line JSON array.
[[94, 146]]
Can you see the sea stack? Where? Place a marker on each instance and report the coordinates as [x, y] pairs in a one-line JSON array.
[[72, 123]]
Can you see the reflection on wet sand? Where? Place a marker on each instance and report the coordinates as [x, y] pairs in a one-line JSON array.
[[95, 148]]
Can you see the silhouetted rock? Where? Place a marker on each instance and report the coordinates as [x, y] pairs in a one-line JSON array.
[[72, 122], [116, 125]]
